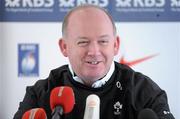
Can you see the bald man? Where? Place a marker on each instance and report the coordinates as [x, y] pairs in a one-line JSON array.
[[90, 42]]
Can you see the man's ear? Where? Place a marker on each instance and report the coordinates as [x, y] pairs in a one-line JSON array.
[[63, 46], [116, 45]]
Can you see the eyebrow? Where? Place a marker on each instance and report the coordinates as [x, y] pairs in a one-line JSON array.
[[82, 37], [102, 36]]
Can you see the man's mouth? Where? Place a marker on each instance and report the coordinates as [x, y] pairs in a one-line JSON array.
[[93, 62]]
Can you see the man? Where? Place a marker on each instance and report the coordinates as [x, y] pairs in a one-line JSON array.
[[90, 42]]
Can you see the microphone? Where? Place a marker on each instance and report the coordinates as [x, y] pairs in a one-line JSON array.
[[61, 101], [35, 113], [92, 107], [147, 114]]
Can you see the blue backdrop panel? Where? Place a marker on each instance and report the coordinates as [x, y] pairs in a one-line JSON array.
[[121, 10]]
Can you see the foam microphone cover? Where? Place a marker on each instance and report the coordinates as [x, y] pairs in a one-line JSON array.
[[35, 113], [62, 96], [147, 114], [92, 107]]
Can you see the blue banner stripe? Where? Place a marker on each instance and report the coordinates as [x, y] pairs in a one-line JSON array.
[[121, 10]]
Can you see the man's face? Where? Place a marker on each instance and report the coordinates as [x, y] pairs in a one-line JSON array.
[[90, 44]]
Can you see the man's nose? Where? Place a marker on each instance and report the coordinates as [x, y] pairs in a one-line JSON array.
[[93, 49]]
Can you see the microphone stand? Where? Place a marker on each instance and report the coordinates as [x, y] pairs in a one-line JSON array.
[[57, 112]]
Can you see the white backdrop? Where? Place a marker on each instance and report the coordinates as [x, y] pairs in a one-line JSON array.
[[137, 40], [0, 67]]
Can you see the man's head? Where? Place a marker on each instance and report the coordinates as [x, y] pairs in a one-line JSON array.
[[89, 41], [66, 19]]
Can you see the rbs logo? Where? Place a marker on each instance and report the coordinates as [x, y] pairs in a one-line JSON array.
[[29, 3], [175, 3], [73, 3], [140, 3]]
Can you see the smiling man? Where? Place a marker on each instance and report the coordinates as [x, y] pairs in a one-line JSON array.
[[90, 42]]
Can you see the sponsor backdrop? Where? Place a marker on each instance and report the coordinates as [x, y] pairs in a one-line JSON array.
[[124, 10], [150, 39]]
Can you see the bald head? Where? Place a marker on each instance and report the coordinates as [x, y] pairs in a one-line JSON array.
[[89, 41], [86, 11]]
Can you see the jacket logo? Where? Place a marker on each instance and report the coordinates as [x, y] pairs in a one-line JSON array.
[[166, 112], [118, 107], [118, 84]]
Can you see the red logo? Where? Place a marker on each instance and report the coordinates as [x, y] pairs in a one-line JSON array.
[[136, 61]]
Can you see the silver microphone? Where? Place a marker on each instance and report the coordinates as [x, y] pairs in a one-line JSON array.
[[92, 107]]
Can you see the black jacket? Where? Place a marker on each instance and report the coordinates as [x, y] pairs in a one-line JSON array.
[[122, 97]]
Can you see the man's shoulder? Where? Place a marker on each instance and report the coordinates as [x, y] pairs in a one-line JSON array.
[[55, 78], [133, 77], [63, 68], [124, 70]]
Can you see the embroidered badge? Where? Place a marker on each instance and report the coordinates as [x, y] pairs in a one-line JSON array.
[[118, 107]]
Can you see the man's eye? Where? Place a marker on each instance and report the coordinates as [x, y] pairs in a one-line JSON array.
[[82, 43], [103, 42]]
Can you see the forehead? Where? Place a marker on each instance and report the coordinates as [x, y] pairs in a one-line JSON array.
[[89, 14], [88, 11]]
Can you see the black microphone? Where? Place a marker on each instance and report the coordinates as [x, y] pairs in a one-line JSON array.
[[147, 114]]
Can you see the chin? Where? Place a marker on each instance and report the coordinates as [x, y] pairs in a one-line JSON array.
[[95, 78]]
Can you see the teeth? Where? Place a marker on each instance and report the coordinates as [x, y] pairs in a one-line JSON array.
[[93, 62]]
